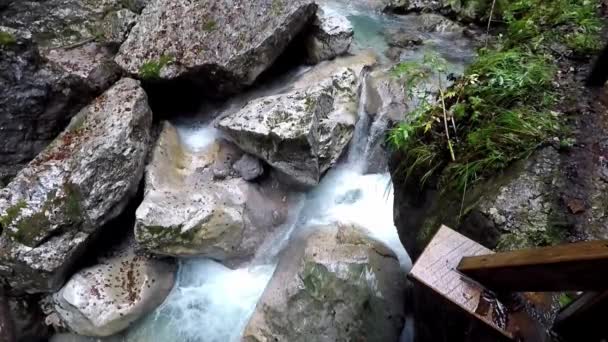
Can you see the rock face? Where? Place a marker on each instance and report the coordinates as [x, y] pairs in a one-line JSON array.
[[301, 133], [336, 285], [105, 299], [515, 210], [55, 56], [229, 43], [195, 203], [331, 36], [466, 10], [49, 212]]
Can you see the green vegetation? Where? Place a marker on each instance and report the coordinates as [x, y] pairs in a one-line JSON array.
[[151, 69], [209, 25], [539, 23], [501, 109], [6, 39], [12, 213]]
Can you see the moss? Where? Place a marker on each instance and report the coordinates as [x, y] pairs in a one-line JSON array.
[[209, 25], [12, 213], [30, 230], [7, 39], [151, 69], [277, 7]]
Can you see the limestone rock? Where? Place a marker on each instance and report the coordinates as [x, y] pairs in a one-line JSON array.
[[249, 167], [189, 210], [402, 38], [50, 210], [222, 43], [464, 10], [331, 36], [334, 285], [105, 299], [301, 133], [54, 59]]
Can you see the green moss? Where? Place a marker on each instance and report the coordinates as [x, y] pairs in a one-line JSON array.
[[209, 25], [7, 39], [30, 230], [565, 299], [151, 69], [277, 7], [12, 213]]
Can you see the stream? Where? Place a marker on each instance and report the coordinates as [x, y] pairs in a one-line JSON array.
[[211, 302]]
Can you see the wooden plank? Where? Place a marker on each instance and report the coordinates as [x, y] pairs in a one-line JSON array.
[[436, 269], [573, 267]]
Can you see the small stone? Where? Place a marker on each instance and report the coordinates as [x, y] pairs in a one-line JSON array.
[[249, 167]]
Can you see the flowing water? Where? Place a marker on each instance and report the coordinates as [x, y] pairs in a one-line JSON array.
[[213, 303]]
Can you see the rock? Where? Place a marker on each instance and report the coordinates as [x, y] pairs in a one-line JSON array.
[[331, 36], [334, 285], [226, 44], [249, 167], [432, 22], [188, 210], [28, 319], [54, 60], [464, 10], [105, 299], [52, 209], [402, 38], [117, 25], [6, 321], [37, 103], [301, 133], [514, 210]]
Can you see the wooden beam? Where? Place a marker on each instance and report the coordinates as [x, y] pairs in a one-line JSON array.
[[584, 319], [579, 266]]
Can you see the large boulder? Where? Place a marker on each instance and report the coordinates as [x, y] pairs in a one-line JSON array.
[[330, 37], [335, 284], [52, 209], [196, 204], [105, 299], [303, 132], [225, 44], [55, 56]]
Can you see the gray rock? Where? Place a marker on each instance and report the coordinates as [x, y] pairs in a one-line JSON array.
[[333, 285], [117, 25], [402, 38], [58, 62], [301, 133], [50, 211], [432, 22], [28, 319], [331, 36], [465, 10], [249, 167], [105, 299], [227, 43], [188, 210]]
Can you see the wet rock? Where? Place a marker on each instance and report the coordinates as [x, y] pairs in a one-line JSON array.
[[336, 285], [331, 36], [249, 167], [187, 210], [432, 22], [223, 43], [107, 298], [402, 38], [301, 133], [50, 211], [465, 10]]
